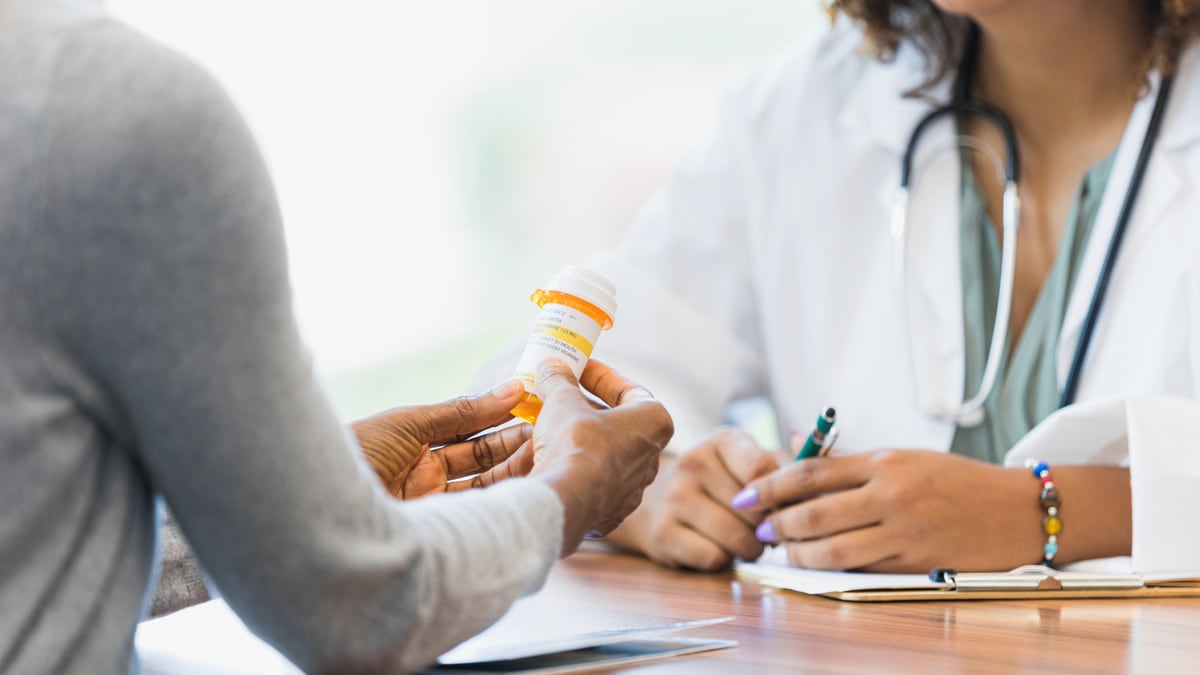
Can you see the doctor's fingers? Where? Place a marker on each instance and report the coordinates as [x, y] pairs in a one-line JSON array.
[[684, 547], [727, 535], [705, 474], [725, 530], [866, 548], [804, 480], [823, 516], [740, 455]]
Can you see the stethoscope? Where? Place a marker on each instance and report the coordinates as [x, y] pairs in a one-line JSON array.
[[970, 412]]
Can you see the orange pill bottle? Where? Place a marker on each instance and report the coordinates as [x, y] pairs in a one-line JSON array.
[[576, 306]]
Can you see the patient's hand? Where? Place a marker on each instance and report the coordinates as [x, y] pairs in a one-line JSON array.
[[402, 444], [598, 460]]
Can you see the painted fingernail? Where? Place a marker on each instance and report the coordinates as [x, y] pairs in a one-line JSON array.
[[507, 388], [766, 533], [746, 499]]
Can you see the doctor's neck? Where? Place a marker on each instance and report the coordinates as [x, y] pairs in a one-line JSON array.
[[1057, 67]]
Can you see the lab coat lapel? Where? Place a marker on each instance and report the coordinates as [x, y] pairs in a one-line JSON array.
[[934, 267], [879, 113], [1161, 186]]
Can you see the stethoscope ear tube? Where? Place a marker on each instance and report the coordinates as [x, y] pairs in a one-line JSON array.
[[970, 412], [961, 108]]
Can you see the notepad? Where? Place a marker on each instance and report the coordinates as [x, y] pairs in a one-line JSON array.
[[495, 652], [1091, 579], [623, 654], [500, 644], [209, 639]]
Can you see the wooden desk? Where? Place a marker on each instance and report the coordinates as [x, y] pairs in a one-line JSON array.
[[785, 632]]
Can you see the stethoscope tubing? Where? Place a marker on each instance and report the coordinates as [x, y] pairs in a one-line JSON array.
[[1012, 161], [970, 412]]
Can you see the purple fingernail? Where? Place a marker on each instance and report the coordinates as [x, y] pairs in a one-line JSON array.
[[766, 533], [747, 498]]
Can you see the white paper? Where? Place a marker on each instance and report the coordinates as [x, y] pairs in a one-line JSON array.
[[1164, 435], [609, 658], [207, 639], [509, 639], [1118, 565], [772, 570], [210, 639]]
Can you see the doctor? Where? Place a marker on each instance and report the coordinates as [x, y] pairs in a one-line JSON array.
[[780, 261]]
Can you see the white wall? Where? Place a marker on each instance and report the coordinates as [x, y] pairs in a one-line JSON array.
[[436, 161]]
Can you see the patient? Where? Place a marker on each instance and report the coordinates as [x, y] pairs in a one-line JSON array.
[[149, 351]]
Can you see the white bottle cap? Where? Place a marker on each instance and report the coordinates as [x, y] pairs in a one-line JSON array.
[[587, 285]]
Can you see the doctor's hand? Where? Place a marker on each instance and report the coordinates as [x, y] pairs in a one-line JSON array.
[[598, 460], [686, 519], [900, 511], [401, 444]]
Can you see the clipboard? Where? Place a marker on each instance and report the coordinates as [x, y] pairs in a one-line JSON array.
[[1029, 582]]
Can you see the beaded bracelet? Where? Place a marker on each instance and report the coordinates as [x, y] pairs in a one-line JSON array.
[[1049, 498]]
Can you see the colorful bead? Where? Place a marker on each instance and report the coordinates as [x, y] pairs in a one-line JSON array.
[[1040, 468], [1050, 497], [1052, 525], [1051, 549]]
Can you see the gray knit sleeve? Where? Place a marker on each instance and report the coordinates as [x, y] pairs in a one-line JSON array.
[[165, 283]]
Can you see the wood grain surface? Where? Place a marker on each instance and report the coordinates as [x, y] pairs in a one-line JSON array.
[[786, 632]]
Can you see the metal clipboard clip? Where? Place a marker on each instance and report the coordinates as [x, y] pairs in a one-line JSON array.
[[1033, 578]]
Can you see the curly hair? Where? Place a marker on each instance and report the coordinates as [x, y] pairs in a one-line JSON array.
[[937, 35]]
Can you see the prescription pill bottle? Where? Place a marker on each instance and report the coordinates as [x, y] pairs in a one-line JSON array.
[[576, 306]]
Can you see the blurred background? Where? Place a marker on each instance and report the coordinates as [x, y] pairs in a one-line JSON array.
[[437, 161]]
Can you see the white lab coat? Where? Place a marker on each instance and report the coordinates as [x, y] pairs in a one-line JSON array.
[[763, 268]]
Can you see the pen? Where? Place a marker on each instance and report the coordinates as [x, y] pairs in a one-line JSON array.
[[816, 440]]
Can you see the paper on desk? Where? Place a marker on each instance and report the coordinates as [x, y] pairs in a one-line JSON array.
[[502, 643], [609, 658], [206, 639], [1124, 565], [210, 639], [772, 569]]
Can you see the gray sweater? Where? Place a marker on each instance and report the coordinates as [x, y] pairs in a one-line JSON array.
[[148, 350]]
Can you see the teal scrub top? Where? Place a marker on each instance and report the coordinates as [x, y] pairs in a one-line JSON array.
[[1027, 388]]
